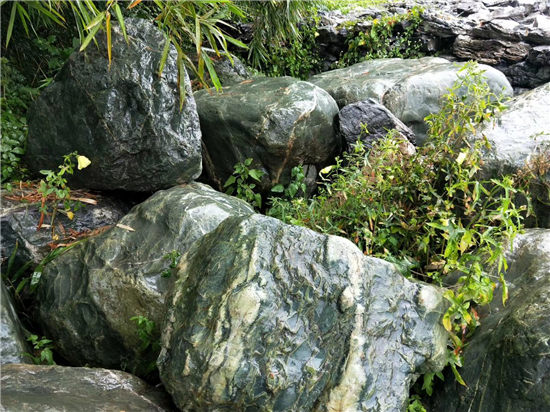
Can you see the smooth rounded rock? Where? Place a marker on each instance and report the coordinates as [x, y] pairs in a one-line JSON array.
[[278, 122]]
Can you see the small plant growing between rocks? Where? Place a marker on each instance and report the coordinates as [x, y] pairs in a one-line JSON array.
[[174, 258], [240, 185], [150, 342], [55, 189], [42, 354]]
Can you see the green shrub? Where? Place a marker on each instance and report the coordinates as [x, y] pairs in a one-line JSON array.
[[299, 57], [14, 100], [427, 212], [389, 36]]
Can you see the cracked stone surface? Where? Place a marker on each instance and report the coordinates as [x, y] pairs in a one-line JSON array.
[[125, 119], [278, 122], [27, 388], [499, 33], [268, 316], [88, 295], [507, 362]]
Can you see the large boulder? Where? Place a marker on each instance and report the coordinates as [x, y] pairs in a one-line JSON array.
[[123, 117], [520, 137], [28, 388], [507, 363], [278, 122], [19, 222], [268, 316], [12, 335], [411, 89], [88, 295]]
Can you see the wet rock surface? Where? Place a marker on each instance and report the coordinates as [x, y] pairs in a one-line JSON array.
[[520, 137], [27, 388], [278, 122], [124, 118], [12, 335], [369, 121], [268, 316], [507, 362], [88, 295], [410, 88]]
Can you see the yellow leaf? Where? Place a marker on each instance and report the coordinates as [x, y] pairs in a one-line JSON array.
[[83, 162], [447, 322], [326, 170], [108, 30], [70, 215], [461, 157], [134, 4]]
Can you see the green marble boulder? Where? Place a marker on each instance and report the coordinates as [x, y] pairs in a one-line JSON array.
[[88, 295], [268, 316], [278, 122], [410, 88]]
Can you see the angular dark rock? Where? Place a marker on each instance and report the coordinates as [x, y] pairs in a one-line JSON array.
[[490, 51], [124, 118], [88, 295], [278, 122], [28, 388], [268, 316], [12, 335], [507, 362], [376, 118]]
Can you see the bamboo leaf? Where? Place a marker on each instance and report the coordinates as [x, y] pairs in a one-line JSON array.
[[22, 12], [235, 42], [95, 21], [90, 37], [164, 55], [212, 72], [108, 30], [118, 14], [457, 375], [11, 23], [181, 81]]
